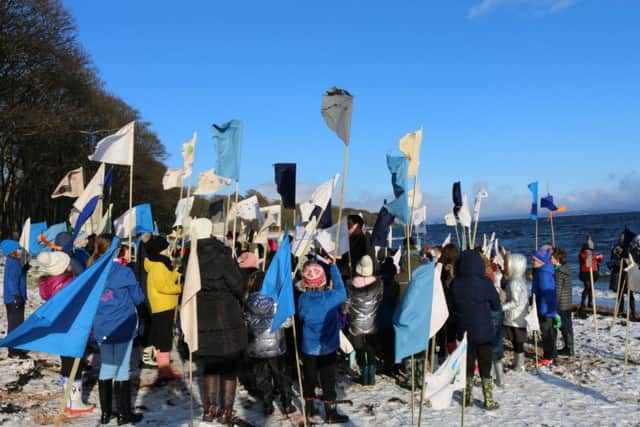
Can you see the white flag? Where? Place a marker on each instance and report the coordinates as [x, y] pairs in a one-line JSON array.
[[410, 147], [488, 247], [336, 109], [450, 219], [396, 259], [533, 323], [124, 225], [173, 178], [482, 194], [633, 275], [306, 209], [209, 182], [188, 154], [25, 235], [72, 185], [464, 216], [450, 376], [327, 238], [93, 188], [262, 236], [302, 237], [116, 149], [499, 258], [323, 193], [439, 310], [419, 215], [249, 209], [183, 210], [271, 213]]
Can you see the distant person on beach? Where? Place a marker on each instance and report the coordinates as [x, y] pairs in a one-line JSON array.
[[618, 279], [544, 289], [588, 268], [14, 291], [516, 308], [564, 291]]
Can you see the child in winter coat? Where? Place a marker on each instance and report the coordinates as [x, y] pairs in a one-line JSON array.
[[114, 328], [543, 288], [564, 291], [318, 309], [516, 308], [57, 273], [266, 349], [14, 291], [365, 293]]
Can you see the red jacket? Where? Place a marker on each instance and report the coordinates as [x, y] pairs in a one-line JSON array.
[[595, 259]]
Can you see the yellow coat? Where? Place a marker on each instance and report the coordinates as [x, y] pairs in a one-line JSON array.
[[162, 286]]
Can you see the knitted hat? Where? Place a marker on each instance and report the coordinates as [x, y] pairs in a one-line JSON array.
[[542, 255], [313, 275], [9, 246], [365, 266], [51, 263], [247, 260]]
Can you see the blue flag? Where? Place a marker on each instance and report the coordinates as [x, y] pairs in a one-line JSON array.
[[108, 178], [412, 318], [86, 213], [547, 202], [400, 206], [34, 242], [227, 139], [61, 325], [278, 284], [533, 187], [144, 219], [47, 238]]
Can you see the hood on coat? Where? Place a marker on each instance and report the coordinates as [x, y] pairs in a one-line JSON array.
[[517, 266], [362, 281], [470, 264], [259, 304]]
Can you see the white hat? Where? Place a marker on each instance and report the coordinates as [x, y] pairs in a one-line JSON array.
[[51, 263], [365, 266], [201, 228]]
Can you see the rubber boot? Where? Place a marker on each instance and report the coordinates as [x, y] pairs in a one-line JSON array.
[[75, 405], [164, 367], [210, 398], [332, 416], [468, 392], [105, 390], [519, 362], [123, 398], [499, 368], [487, 391]]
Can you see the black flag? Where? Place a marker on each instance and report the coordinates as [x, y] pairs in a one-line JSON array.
[[457, 198], [381, 229], [286, 183]]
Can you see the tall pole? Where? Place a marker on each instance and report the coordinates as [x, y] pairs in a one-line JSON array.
[[553, 234], [619, 293], [295, 344], [345, 165], [626, 338], [536, 247], [235, 221], [593, 298], [130, 207]]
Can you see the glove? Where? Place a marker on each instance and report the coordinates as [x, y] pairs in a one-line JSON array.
[[557, 322], [19, 301]]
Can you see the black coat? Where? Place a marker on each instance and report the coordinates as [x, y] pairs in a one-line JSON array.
[[473, 297], [221, 329]]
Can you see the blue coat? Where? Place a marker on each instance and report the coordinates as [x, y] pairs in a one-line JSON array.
[[15, 281], [116, 320], [544, 288], [473, 298], [318, 311]]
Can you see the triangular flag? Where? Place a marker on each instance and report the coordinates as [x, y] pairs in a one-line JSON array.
[[336, 109], [116, 149], [72, 185], [533, 323], [25, 235]]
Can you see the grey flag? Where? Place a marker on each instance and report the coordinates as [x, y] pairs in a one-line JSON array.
[[337, 106]]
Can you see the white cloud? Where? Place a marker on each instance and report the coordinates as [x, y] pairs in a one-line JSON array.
[[486, 7]]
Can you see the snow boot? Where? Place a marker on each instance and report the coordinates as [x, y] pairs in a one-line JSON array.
[[487, 391], [75, 405], [105, 390], [123, 399], [499, 369], [332, 416], [518, 366]]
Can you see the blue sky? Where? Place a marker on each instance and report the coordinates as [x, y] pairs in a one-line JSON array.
[[508, 91]]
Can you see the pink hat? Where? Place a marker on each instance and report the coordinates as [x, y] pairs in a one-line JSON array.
[[247, 260], [313, 275]]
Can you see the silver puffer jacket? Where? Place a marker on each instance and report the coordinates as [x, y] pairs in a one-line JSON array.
[[517, 305], [364, 296], [259, 313]]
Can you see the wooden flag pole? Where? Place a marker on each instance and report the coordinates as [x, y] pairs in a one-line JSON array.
[[424, 369], [130, 206], [235, 221], [619, 293], [67, 391], [536, 247], [345, 165], [458, 235], [626, 338], [302, 397], [553, 234], [174, 244], [464, 398], [593, 298], [226, 216], [475, 225], [413, 377], [191, 388]]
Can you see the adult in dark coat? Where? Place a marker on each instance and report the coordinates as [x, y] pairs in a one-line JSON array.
[[564, 292], [222, 336], [473, 298]]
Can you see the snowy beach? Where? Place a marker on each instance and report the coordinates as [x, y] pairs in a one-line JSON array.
[[585, 390]]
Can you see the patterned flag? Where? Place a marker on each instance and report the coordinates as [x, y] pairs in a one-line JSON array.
[[337, 108], [209, 182], [72, 185], [188, 154]]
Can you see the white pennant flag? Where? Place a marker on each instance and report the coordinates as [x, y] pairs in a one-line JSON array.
[[209, 182], [302, 237], [25, 235], [482, 194], [533, 323], [439, 310], [249, 209], [173, 178], [486, 249], [450, 376], [93, 188], [327, 238], [183, 210], [499, 258], [396, 259], [323, 193], [464, 216], [633, 275], [306, 209], [124, 225], [450, 219], [72, 185], [116, 149]]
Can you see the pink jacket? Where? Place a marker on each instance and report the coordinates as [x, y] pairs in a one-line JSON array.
[[50, 285]]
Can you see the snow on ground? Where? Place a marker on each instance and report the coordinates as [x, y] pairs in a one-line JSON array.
[[586, 390]]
